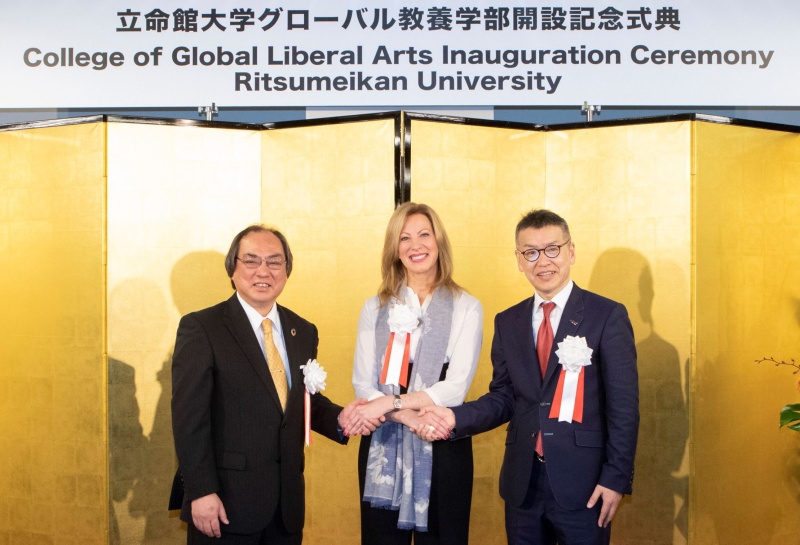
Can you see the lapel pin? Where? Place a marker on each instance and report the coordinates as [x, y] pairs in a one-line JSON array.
[[573, 322], [293, 332]]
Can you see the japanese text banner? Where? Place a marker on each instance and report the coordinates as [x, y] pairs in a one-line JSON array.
[[345, 53]]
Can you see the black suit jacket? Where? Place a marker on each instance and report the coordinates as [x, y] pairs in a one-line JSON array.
[[580, 455], [231, 436]]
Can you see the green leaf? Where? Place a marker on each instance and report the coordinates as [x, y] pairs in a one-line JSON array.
[[790, 417]]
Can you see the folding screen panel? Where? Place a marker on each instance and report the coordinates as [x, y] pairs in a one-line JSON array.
[[479, 179], [176, 197], [330, 188], [746, 471], [52, 345], [626, 193]]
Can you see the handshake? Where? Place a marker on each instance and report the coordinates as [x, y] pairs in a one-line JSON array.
[[429, 423]]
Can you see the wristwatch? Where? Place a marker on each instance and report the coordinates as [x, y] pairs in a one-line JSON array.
[[398, 403]]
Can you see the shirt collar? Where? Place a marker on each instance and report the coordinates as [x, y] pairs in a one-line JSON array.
[[409, 297], [560, 299], [255, 318]]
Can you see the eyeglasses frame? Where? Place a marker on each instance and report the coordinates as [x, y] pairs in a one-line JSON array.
[[274, 265], [540, 251]]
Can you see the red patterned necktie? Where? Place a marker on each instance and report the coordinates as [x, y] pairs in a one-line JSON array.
[[544, 339], [544, 343]]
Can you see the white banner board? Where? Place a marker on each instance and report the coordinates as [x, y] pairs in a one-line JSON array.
[[154, 53]]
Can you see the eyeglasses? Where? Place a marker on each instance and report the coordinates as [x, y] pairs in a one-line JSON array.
[[254, 262], [551, 251]]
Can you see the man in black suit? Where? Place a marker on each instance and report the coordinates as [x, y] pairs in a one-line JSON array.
[[565, 378], [237, 403]]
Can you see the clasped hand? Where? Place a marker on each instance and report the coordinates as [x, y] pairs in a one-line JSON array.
[[434, 423], [429, 424], [355, 421]]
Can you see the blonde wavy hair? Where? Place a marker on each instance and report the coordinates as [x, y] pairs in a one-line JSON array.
[[392, 269]]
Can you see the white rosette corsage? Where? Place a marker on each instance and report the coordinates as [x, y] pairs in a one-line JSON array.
[[314, 376], [573, 355], [402, 319], [402, 322], [314, 380]]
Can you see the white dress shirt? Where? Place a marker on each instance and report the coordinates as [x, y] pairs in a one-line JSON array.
[[463, 349], [560, 299], [277, 332]]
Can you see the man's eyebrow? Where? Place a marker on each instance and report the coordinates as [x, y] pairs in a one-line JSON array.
[[267, 257], [535, 248]]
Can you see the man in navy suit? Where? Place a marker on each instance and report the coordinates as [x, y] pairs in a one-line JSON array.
[[574, 418], [237, 404]]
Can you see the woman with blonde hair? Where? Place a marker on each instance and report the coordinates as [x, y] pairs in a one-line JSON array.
[[418, 344]]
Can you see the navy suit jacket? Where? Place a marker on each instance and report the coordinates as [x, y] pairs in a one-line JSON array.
[[579, 455], [231, 436]]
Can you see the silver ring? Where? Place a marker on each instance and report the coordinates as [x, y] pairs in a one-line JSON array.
[[430, 427]]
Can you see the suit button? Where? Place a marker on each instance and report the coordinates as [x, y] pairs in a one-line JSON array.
[[278, 460]]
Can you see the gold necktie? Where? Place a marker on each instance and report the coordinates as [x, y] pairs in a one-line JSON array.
[[275, 363]]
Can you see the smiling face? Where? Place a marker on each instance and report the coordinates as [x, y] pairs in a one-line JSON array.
[[547, 275], [417, 249], [260, 287]]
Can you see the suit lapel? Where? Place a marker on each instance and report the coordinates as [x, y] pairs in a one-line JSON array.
[[571, 319], [526, 347], [292, 352], [239, 326]]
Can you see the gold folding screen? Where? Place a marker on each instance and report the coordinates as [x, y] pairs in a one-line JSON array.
[[625, 191], [110, 231], [694, 227]]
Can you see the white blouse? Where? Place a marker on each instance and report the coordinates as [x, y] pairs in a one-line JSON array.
[[463, 349]]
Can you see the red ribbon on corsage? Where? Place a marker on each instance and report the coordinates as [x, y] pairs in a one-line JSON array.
[[402, 322], [573, 355], [395, 363], [573, 400], [314, 381], [307, 418]]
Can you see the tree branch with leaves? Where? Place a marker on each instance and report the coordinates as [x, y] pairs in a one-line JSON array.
[[790, 414]]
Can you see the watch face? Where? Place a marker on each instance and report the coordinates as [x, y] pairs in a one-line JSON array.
[[398, 403]]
